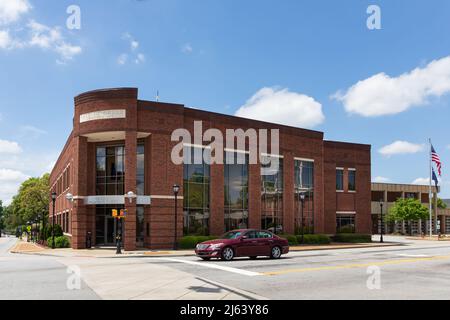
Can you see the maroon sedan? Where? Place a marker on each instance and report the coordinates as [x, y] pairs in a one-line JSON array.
[[243, 243]]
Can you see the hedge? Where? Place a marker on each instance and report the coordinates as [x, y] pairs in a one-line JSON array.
[[190, 242], [314, 239], [60, 242], [352, 238]]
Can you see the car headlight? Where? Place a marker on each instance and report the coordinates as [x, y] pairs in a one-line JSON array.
[[216, 246]]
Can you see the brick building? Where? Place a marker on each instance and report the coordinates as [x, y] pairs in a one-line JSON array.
[[120, 145]]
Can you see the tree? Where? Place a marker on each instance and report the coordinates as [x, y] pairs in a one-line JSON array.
[[441, 204], [31, 200], [2, 224], [408, 210]]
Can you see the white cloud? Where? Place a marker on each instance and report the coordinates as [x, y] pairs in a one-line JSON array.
[[380, 179], [9, 147], [187, 48], [384, 95], [5, 39], [16, 168], [31, 132], [134, 55], [284, 107], [10, 181], [401, 147], [11, 10], [422, 181], [8, 175], [122, 59], [140, 58], [45, 37]]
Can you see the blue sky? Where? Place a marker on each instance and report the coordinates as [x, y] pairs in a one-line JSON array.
[[315, 60]]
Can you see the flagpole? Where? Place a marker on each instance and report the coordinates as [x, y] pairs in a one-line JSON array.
[[431, 193]]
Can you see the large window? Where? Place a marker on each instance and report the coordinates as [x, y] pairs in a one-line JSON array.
[[196, 196], [272, 197], [110, 170], [345, 223], [236, 192], [140, 170], [339, 179], [304, 183], [352, 180]]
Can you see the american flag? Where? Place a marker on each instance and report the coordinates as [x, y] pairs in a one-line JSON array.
[[435, 158]]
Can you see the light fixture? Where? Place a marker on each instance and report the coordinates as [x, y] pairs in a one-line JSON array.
[[176, 189], [131, 195], [302, 196], [69, 197], [53, 196]]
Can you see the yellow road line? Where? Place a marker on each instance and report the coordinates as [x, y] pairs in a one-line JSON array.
[[355, 265]]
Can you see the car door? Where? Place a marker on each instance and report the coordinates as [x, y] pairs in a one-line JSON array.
[[265, 242], [248, 245]]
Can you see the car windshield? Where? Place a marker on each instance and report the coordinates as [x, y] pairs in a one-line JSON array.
[[231, 235]]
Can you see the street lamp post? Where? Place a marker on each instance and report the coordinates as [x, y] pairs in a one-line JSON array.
[[382, 222], [176, 190], [53, 219], [302, 200]]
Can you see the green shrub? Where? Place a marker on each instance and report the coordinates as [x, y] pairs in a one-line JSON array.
[[352, 238], [290, 238], [314, 239], [306, 230], [190, 242], [47, 231], [346, 229], [60, 242]]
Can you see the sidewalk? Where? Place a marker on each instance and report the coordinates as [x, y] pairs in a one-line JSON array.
[[31, 248]]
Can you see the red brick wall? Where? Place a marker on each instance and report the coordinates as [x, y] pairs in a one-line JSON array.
[[158, 121]]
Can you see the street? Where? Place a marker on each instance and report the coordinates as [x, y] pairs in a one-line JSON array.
[[35, 277], [410, 270]]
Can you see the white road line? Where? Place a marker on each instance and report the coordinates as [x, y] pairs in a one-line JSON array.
[[214, 266], [413, 255]]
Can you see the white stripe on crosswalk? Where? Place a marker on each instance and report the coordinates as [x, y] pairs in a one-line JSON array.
[[214, 266]]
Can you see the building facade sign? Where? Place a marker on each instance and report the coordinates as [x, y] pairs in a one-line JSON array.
[[108, 200], [103, 115]]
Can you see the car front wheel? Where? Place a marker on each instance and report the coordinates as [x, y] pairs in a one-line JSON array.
[[275, 253], [227, 254]]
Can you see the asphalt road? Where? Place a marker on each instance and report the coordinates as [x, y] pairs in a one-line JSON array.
[[25, 277], [411, 270], [419, 270]]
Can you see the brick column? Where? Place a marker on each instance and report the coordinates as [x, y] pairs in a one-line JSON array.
[[130, 185], [288, 194], [79, 213], [254, 196], [216, 221]]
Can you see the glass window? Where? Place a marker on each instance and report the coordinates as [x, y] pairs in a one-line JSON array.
[[110, 162], [196, 196], [304, 183], [236, 192], [272, 196], [352, 180], [264, 235], [345, 223], [140, 170], [339, 179], [140, 226], [231, 235]]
